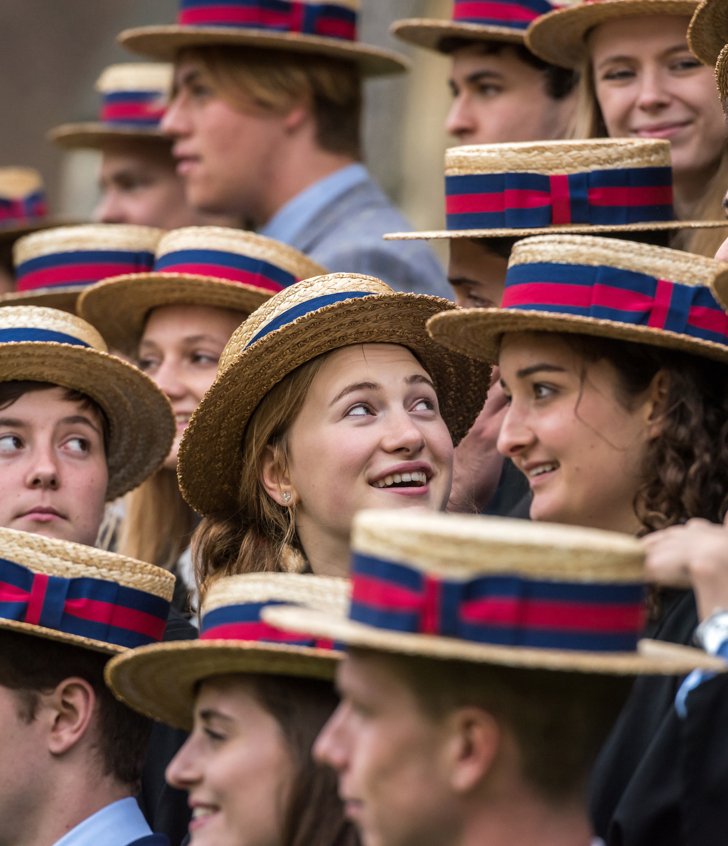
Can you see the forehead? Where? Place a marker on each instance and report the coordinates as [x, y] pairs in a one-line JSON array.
[[44, 404], [134, 154], [184, 320], [633, 34], [524, 348], [379, 361], [501, 60]]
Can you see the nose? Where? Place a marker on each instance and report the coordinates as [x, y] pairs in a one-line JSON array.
[[653, 92], [459, 121], [43, 473], [167, 379], [330, 748], [722, 254], [183, 770], [173, 122], [515, 434], [403, 434], [109, 209]]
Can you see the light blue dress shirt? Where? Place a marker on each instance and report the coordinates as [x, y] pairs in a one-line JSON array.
[[115, 825]]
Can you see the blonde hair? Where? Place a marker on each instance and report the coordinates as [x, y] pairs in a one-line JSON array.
[[157, 524], [276, 81], [259, 535], [589, 123]]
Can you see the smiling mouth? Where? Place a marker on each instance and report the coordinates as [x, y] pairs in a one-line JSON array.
[[416, 479], [540, 469]]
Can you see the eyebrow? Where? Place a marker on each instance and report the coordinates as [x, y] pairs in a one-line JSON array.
[[17, 423], [414, 379], [208, 714], [524, 372], [677, 48]]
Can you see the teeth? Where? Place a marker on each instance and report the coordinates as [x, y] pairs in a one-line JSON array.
[[543, 468], [198, 812], [418, 477]]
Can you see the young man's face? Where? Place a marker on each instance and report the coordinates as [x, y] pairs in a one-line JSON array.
[[498, 98], [53, 467], [390, 758], [477, 275]]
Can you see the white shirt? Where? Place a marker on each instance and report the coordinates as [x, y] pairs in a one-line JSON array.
[[115, 825]]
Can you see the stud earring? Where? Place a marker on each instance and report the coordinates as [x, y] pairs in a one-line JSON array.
[[286, 496]]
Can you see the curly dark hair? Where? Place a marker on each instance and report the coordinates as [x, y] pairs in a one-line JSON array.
[[685, 469]]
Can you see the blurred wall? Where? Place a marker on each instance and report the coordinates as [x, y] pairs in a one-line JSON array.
[[53, 50]]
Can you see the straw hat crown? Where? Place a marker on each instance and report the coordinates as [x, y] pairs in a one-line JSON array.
[[560, 36], [314, 317], [506, 21], [22, 199], [296, 26], [134, 97], [161, 680], [81, 595], [53, 266], [495, 591], [591, 186], [53, 346], [583, 285], [212, 266]]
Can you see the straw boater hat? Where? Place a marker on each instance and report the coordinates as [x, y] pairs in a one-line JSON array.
[[53, 267], [527, 188], [504, 21], [314, 317], [162, 681], [586, 286], [80, 595], [561, 36], [47, 345], [23, 204], [197, 265], [708, 30], [495, 591], [134, 97], [297, 26]]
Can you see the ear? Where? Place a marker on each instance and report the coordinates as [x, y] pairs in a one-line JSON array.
[[71, 706], [296, 118], [475, 743], [656, 403], [275, 478]]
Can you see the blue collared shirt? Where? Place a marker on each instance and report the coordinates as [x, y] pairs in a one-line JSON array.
[[292, 218], [115, 825]]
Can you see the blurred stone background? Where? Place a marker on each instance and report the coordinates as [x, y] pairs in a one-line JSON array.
[[52, 51]]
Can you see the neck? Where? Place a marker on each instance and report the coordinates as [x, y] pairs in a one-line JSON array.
[[689, 189], [327, 555]]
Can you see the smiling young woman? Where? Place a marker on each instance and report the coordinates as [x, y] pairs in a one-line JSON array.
[[639, 79], [330, 398], [616, 369]]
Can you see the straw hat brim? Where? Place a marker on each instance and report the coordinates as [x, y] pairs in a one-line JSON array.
[[210, 459], [163, 42], [118, 306], [721, 73], [63, 298], [60, 637], [650, 658], [429, 33], [708, 31], [141, 424], [478, 332], [566, 229], [160, 680], [12, 233], [559, 37], [98, 135]]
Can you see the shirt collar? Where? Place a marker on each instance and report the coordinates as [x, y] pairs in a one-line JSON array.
[[293, 217], [115, 825]]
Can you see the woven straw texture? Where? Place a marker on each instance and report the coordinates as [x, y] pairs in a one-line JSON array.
[[161, 680], [429, 33], [708, 30], [141, 424], [477, 332], [16, 182], [557, 157], [560, 36], [210, 448], [459, 546], [64, 559], [163, 42], [721, 74], [118, 306]]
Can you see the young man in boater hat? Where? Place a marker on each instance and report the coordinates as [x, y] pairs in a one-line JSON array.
[[501, 91], [72, 754], [486, 662], [266, 119], [138, 182]]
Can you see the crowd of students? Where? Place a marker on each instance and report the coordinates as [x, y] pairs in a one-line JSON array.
[[308, 541]]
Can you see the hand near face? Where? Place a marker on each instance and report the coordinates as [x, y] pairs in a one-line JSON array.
[[694, 555]]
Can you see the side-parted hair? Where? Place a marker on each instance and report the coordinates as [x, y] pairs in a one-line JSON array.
[[31, 666], [274, 81]]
